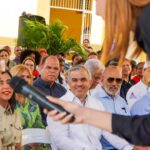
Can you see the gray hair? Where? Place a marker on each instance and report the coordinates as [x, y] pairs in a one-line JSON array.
[[77, 67], [93, 65]]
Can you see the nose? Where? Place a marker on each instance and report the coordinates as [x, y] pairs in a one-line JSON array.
[[79, 82]]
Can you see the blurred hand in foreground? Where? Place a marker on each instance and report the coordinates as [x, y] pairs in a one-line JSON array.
[[70, 107]]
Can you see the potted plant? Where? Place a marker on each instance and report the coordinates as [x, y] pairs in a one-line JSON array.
[[39, 35]]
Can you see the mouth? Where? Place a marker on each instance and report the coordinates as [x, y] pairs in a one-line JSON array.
[[113, 88], [52, 76], [6, 93]]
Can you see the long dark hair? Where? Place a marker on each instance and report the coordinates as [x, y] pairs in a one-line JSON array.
[[12, 101]]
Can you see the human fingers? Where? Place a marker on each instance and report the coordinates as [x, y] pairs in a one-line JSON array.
[[57, 116]]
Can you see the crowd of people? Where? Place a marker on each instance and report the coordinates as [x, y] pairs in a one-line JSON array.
[[95, 94], [86, 83]]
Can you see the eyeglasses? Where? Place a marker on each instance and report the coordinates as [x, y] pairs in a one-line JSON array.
[[111, 80]]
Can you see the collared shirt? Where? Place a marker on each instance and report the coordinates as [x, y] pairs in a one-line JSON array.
[[136, 92], [56, 90], [142, 106], [76, 137], [10, 127], [30, 114], [31, 118], [116, 105]]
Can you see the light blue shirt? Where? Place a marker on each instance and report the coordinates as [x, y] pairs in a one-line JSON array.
[[116, 105], [142, 107]]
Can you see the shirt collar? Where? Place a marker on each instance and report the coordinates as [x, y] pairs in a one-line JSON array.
[[75, 99], [103, 94], [6, 110], [45, 83]]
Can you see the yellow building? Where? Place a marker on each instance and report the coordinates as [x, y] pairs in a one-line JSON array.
[[76, 14]]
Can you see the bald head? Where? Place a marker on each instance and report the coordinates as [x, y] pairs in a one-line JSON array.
[[112, 70], [50, 69]]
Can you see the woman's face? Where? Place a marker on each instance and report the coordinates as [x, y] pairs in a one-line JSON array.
[[30, 64], [4, 56], [6, 91], [26, 76]]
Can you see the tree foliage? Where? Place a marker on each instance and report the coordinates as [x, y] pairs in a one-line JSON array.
[[38, 35]]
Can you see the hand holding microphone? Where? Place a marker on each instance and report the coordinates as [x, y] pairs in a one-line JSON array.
[[21, 86]]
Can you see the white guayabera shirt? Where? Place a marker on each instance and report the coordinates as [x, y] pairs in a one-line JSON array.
[[76, 136]]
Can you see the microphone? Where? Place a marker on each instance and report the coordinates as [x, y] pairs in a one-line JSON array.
[[21, 86]]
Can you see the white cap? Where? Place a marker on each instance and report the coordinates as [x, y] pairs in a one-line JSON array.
[[147, 64]]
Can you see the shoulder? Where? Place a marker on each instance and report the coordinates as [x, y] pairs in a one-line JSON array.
[[68, 96], [58, 87], [37, 81], [142, 106], [95, 103], [135, 89]]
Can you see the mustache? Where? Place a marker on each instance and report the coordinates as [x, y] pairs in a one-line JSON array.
[[114, 87]]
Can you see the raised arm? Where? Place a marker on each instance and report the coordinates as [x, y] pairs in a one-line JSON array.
[[135, 129]]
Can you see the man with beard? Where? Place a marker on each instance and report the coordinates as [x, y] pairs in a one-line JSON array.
[[108, 95]]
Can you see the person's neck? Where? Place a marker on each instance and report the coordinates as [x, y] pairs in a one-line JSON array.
[[125, 77], [51, 83], [83, 99], [4, 104], [112, 96], [48, 82]]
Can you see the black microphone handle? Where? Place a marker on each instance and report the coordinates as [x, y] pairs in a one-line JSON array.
[[39, 97]]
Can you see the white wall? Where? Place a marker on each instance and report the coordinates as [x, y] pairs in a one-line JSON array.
[[10, 10], [98, 26]]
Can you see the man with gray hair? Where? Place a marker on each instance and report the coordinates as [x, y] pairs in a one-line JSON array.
[[77, 137], [96, 68], [112, 102]]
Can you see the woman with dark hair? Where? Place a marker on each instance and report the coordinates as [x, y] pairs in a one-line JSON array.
[[10, 124], [30, 53], [4, 55]]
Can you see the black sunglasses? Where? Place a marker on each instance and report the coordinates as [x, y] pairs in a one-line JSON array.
[[111, 80]]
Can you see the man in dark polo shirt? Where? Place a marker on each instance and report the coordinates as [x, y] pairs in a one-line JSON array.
[[46, 82]]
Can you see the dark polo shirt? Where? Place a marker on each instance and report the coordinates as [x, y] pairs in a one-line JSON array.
[[55, 90]]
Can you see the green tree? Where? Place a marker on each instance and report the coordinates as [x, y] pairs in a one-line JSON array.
[[38, 35]]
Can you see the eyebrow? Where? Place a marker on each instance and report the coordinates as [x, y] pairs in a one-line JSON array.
[[80, 78]]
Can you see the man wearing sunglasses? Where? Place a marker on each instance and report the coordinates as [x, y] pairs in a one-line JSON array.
[[108, 95]]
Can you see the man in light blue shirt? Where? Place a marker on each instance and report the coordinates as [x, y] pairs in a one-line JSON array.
[[141, 107], [112, 102]]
